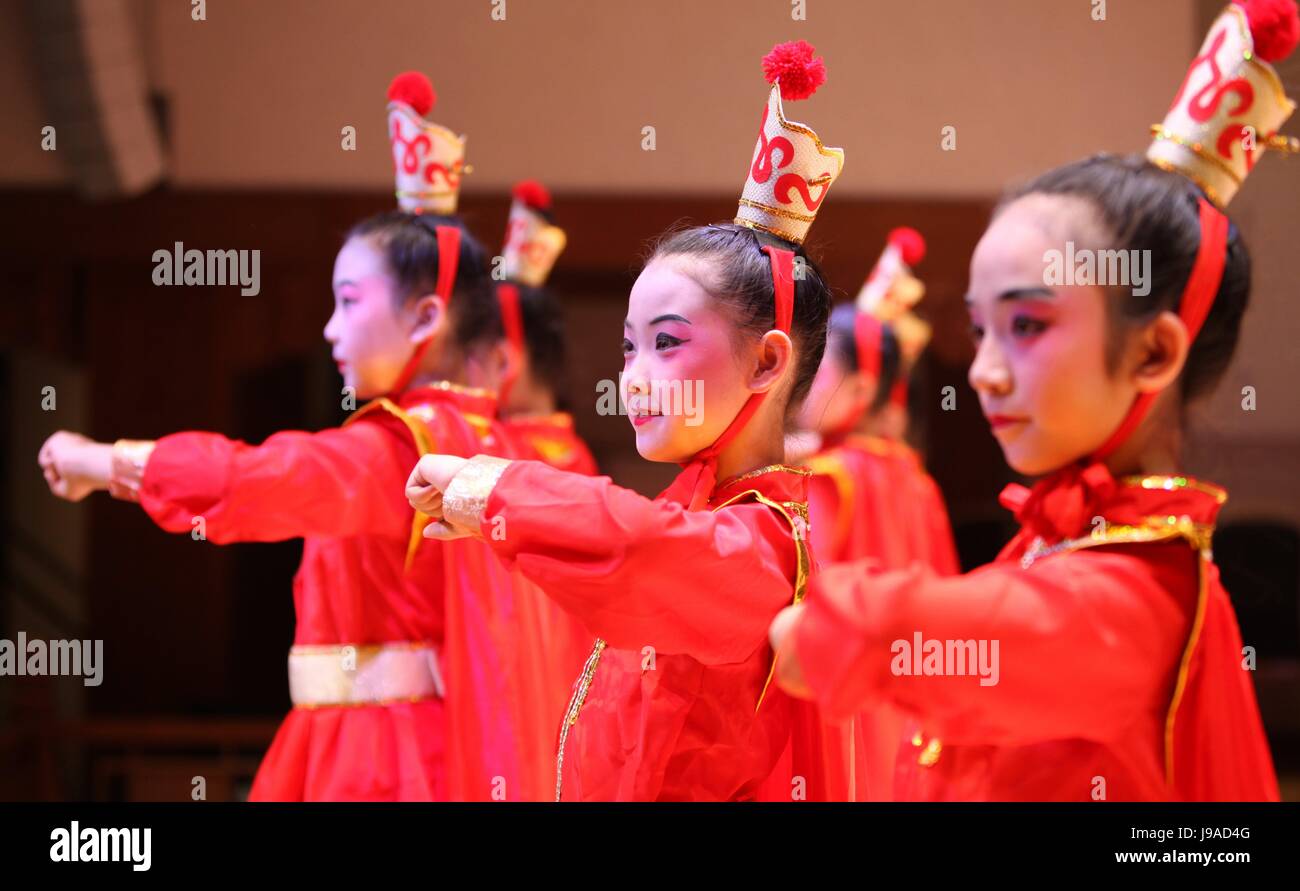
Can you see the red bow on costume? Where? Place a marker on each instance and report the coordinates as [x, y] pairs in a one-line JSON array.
[[695, 483], [1061, 506]]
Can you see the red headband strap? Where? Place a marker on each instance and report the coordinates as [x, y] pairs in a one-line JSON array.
[[513, 322], [783, 284], [868, 341], [1198, 297], [898, 395], [693, 489], [448, 259], [867, 336]]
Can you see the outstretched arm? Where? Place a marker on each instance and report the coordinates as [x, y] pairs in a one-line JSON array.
[[636, 571], [338, 482], [1077, 647]]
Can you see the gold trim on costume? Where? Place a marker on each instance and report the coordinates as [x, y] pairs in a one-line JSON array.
[[803, 560], [126, 469], [465, 501], [759, 471], [1184, 664], [929, 755], [804, 566], [832, 467], [779, 211], [424, 445], [552, 451], [1159, 132], [448, 386], [579, 697], [1198, 536], [1170, 483]]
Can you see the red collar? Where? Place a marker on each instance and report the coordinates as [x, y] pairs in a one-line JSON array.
[[1063, 505], [472, 400]]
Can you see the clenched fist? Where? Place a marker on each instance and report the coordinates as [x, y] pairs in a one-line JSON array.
[[75, 465], [424, 490]]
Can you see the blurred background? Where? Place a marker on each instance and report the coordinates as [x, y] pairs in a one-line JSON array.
[[226, 132]]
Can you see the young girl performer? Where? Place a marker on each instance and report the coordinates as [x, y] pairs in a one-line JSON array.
[[870, 497], [529, 393], [527, 371], [674, 702], [381, 620], [1099, 656], [864, 472]]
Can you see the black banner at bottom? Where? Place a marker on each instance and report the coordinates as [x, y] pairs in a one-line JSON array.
[[685, 841]]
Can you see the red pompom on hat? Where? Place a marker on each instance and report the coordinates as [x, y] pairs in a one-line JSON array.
[[533, 194], [782, 198], [795, 67], [428, 158], [415, 90], [1274, 27], [910, 244]]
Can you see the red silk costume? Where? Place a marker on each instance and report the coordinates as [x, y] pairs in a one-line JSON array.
[[552, 439], [860, 480], [1120, 658], [562, 640], [367, 578], [871, 499], [674, 702]]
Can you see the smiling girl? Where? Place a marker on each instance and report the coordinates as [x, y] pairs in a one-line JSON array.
[[673, 702], [1121, 670], [381, 620]]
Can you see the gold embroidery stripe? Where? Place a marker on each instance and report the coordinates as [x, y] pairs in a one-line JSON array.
[[1197, 148], [778, 211], [1185, 665], [575, 707], [1169, 483], [424, 444]]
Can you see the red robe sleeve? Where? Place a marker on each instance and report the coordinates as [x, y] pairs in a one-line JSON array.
[[641, 572], [1086, 641], [334, 483]]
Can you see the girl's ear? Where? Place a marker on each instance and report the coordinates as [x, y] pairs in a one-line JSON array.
[[502, 357], [1162, 348], [486, 365], [775, 355], [430, 315], [864, 387]]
